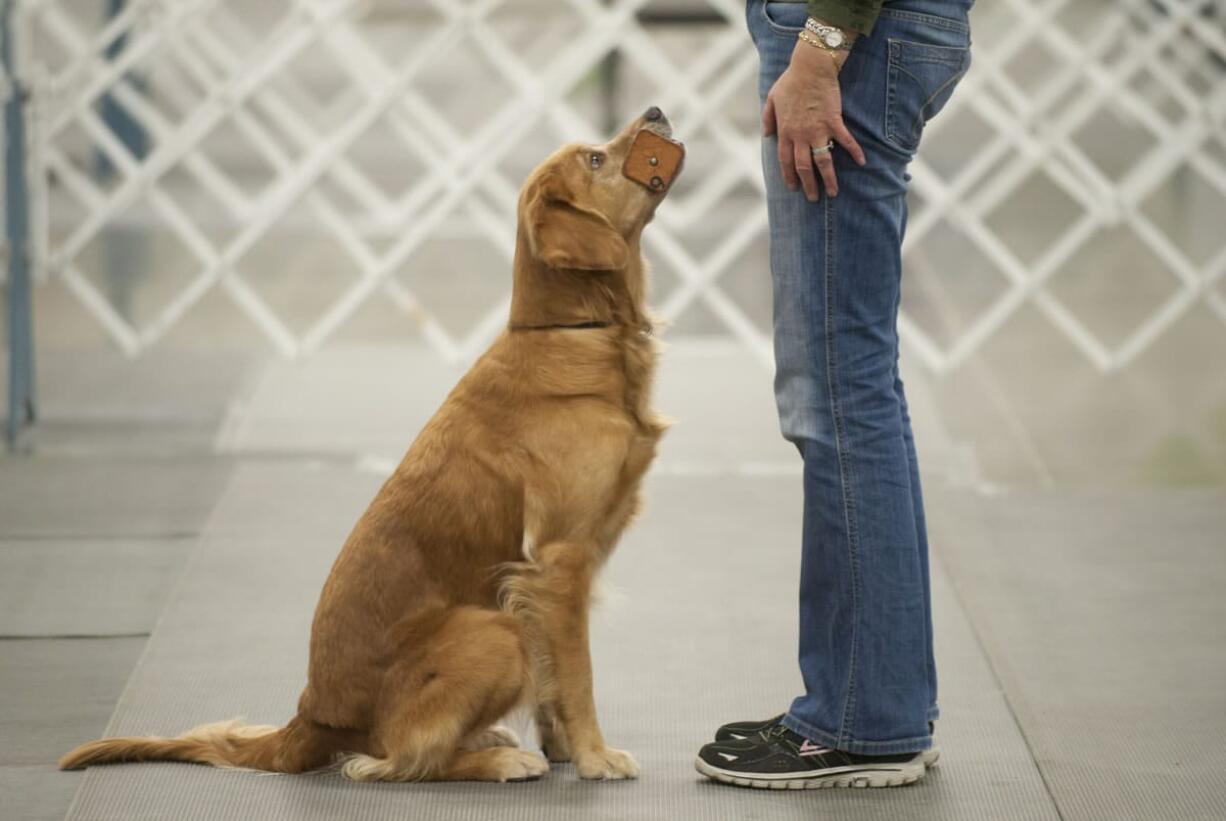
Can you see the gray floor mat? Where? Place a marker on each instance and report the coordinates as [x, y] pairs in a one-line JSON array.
[[54, 693], [671, 664], [1104, 616], [54, 497], [57, 692], [85, 587], [36, 793], [174, 382]]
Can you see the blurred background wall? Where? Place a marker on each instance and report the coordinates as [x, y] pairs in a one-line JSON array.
[[219, 182]]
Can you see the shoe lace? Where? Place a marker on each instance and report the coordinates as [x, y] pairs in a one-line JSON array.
[[774, 732]]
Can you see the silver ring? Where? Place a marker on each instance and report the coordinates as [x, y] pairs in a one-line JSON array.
[[822, 149]]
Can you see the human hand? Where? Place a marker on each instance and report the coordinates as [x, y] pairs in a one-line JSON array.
[[805, 109]]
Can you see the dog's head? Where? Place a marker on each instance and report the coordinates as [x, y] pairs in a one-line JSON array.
[[584, 207]]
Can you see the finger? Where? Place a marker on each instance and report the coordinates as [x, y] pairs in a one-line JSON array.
[[843, 137], [787, 163], [804, 169], [825, 167], [768, 117]]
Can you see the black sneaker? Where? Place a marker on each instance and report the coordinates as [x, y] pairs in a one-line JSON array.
[[780, 759], [741, 730]]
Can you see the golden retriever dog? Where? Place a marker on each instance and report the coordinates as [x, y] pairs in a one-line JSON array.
[[463, 591]]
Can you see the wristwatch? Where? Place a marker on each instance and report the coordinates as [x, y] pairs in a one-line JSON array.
[[831, 37]]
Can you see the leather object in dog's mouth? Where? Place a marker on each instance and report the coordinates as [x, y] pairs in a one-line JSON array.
[[654, 161]]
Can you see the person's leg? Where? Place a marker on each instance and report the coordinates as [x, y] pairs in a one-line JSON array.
[[863, 623], [921, 543], [921, 522], [865, 612]]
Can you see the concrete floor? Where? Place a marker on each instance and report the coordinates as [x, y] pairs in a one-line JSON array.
[[1078, 629]]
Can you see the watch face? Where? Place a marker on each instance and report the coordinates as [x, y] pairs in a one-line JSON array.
[[834, 39]]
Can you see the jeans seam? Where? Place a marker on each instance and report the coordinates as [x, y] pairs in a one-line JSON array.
[[891, 70], [929, 671], [840, 440], [930, 19]]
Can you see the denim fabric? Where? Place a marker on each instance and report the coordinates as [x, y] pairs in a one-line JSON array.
[[865, 612]]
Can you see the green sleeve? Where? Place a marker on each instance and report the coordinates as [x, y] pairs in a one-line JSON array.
[[857, 15]]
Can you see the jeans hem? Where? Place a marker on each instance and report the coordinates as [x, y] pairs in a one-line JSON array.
[[902, 745]]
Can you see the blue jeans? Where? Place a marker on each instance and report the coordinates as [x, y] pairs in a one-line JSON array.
[[865, 611]]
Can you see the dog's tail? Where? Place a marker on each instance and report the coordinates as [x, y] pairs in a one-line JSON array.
[[297, 747]]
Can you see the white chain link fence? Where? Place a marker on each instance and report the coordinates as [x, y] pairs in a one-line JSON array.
[[340, 167]]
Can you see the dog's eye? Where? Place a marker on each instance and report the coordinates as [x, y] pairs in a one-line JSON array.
[[596, 159]]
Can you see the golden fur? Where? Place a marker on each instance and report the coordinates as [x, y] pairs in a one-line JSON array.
[[463, 591]]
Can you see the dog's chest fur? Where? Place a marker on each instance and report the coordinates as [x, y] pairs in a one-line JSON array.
[[640, 354]]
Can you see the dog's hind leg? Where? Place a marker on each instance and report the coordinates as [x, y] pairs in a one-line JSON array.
[[496, 764], [468, 673], [497, 735], [552, 734]]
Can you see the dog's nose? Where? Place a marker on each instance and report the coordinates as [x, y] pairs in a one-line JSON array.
[[655, 122]]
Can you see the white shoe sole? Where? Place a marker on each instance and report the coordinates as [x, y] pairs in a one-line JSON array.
[[885, 775]]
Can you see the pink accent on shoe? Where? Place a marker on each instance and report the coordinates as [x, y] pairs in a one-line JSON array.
[[809, 748]]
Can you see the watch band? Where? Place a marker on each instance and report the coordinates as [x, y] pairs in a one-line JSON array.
[[829, 37]]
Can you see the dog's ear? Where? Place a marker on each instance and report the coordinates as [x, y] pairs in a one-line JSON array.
[[564, 234]]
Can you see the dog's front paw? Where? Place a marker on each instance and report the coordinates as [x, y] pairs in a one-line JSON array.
[[510, 764], [606, 764]]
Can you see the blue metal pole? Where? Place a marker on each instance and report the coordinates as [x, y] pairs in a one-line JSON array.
[[17, 226]]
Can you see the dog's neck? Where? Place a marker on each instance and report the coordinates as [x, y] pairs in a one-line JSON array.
[[543, 297]]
